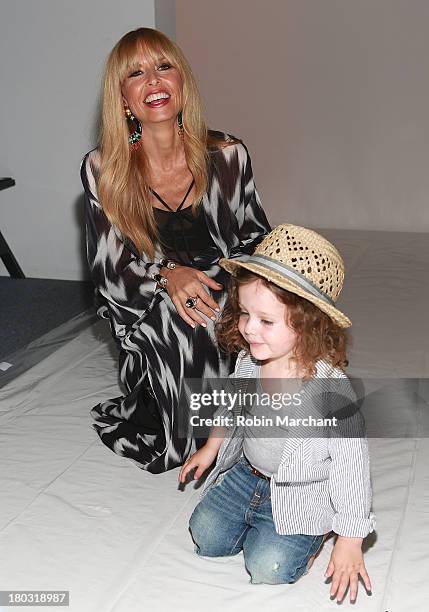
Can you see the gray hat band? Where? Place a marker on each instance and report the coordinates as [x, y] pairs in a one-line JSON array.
[[292, 274]]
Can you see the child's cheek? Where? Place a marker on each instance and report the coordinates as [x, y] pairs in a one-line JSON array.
[[241, 326]]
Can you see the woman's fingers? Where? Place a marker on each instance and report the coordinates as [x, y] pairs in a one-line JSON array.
[[200, 306], [206, 297], [205, 310], [185, 283], [206, 300], [194, 315], [183, 312], [209, 281]]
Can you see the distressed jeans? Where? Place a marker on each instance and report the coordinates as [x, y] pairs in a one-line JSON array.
[[236, 515]]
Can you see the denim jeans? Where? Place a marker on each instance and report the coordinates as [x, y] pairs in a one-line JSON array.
[[236, 515]]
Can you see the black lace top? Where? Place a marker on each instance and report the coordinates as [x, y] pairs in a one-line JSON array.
[[183, 235]]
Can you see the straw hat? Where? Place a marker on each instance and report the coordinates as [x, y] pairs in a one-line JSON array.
[[301, 261]]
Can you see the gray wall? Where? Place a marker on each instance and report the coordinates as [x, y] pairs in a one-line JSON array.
[[165, 17], [52, 55], [331, 96]]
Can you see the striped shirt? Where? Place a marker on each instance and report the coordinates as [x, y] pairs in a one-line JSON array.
[[322, 484]]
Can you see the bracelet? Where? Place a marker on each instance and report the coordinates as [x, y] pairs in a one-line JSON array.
[[167, 263], [160, 280]]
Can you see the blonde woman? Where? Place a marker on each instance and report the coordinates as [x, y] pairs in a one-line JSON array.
[[165, 199]]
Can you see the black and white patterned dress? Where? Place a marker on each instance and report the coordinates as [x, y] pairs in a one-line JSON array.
[[157, 348]]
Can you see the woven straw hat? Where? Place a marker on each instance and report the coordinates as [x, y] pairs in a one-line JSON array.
[[301, 261]]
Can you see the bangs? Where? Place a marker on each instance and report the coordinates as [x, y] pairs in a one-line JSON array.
[[131, 49]]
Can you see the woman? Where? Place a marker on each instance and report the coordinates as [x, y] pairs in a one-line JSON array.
[[166, 199]]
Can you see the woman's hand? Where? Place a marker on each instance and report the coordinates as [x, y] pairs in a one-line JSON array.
[[202, 459], [345, 565], [185, 282]]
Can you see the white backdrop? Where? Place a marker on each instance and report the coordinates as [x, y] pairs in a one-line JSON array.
[[52, 55], [331, 96]]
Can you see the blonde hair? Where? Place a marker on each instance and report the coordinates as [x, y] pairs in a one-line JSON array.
[[122, 184]]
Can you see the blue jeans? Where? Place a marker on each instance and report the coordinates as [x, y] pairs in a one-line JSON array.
[[236, 515]]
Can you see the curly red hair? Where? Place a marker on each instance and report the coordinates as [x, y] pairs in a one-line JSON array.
[[318, 337]]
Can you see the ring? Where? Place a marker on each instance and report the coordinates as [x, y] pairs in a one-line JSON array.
[[191, 302]]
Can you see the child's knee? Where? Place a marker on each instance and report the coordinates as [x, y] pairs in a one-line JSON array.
[[205, 540], [211, 536], [198, 527], [273, 569]]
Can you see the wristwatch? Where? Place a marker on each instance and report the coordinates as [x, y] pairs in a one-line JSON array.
[[167, 263], [161, 280]]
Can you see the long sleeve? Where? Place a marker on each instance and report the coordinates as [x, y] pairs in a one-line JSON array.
[[253, 224], [349, 480], [120, 276], [234, 215]]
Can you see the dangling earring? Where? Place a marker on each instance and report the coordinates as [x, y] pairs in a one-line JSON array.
[[180, 124], [135, 137]]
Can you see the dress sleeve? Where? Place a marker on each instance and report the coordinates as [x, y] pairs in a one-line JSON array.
[[122, 279], [251, 217]]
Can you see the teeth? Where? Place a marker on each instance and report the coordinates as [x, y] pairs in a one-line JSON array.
[[157, 96]]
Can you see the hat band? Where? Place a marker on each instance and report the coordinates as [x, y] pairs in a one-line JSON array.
[[292, 274]]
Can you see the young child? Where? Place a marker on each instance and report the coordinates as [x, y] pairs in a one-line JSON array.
[[278, 498]]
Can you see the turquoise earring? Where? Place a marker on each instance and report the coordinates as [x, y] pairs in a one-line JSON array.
[[135, 137]]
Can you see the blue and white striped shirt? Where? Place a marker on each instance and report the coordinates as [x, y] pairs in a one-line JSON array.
[[322, 484]]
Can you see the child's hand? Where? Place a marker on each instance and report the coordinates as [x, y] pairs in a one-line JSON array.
[[345, 565], [202, 459]]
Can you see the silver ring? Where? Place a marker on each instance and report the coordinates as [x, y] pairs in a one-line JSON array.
[[191, 302]]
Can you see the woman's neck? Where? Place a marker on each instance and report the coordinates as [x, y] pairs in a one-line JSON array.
[[163, 148]]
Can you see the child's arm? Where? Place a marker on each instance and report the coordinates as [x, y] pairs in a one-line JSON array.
[[350, 492], [205, 456]]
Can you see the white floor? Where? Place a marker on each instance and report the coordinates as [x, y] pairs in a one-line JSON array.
[[75, 516]]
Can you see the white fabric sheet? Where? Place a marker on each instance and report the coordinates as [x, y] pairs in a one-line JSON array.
[[75, 516]]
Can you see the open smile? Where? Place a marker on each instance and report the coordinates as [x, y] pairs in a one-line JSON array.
[[157, 99]]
